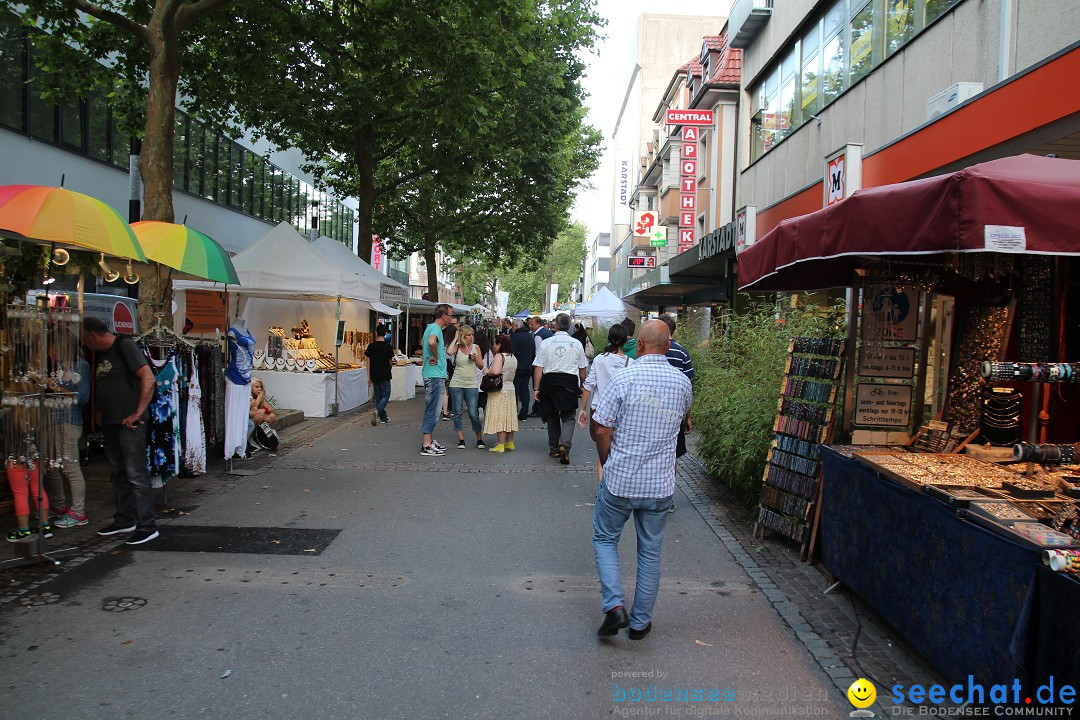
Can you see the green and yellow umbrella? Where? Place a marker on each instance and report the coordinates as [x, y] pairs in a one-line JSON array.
[[60, 216], [186, 250]]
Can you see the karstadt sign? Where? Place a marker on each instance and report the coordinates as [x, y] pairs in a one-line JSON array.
[[718, 241]]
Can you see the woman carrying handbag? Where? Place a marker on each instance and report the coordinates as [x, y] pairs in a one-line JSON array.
[[500, 417]]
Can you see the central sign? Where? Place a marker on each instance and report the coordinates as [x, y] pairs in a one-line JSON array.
[[690, 117]]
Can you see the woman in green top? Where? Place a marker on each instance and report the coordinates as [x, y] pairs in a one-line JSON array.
[[465, 385]]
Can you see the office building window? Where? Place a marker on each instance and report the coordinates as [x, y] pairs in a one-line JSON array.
[[180, 150], [99, 123], [12, 72], [836, 49]]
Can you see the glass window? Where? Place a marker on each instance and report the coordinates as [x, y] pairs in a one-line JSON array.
[[935, 8], [180, 151], [120, 144], [221, 169], [97, 127], [236, 173], [862, 45], [810, 90], [12, 72], [197, 166], [42, 117], [832, 76], [899, 24], [279, 185], [71, 126], [833, 20]]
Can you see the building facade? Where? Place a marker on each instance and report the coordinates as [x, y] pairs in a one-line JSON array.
[[597, 265], [897, 90], [662, 43]]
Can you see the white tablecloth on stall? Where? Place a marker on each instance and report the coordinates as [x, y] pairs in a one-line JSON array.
[[313, 393], [403, 383]]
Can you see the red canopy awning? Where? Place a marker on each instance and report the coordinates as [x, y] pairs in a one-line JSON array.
[[1028, 196]]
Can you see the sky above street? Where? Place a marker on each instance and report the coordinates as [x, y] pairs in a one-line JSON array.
[[608, 74]]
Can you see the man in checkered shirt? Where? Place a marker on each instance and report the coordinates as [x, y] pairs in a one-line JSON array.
[[639, 416]]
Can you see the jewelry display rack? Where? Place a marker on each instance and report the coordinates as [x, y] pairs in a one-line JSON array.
[[31, 406]]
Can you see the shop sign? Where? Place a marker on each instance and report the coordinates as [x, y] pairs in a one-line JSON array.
[[880, 405], [886, 362], [688, 185], [688, 202], [689, 168], [376, 253], [204, 311], [843, 173], [718, 241], [690, 117], [1005, 238], [392, 293], [645, 222], [658, 237], [689, 150], [890, 313], [123, 321], [639, 261], [690, 134], [686, 219], [686, 236], [745, 228]]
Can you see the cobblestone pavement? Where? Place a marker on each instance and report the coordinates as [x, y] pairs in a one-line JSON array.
[[846, 637]]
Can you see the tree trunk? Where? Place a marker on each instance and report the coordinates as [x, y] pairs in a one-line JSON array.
[[156, 157], [432, 269], [366, 194]]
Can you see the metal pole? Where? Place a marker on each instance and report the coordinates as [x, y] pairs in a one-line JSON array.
[[337, 348]]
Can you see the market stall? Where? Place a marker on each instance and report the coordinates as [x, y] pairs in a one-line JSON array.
[[404, 380], [961, 319], [300, 312]]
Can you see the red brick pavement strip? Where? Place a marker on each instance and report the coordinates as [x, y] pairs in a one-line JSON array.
[[827, 625]]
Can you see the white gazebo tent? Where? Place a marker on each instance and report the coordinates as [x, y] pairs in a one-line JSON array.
[[283, 280], [606, 307]]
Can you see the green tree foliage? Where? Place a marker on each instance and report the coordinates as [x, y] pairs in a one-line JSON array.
[[527, 280], [739, 372], [460, 128]]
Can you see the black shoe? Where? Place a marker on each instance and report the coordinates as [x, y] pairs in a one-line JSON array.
[[614, 621], [564, 455], [553, 453], [141, 536], [385, 420], [522, 418], [534, 413], [638, 634], [114, 529]]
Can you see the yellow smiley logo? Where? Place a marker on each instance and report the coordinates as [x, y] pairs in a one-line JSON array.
[[862, 693]]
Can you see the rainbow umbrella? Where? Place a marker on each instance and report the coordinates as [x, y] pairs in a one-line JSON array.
[[64, 217], [186, 250]]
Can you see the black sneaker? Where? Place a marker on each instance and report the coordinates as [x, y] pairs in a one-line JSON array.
[[47, 530], [480, 445], [461, 444], [114, 529], [385, 420], [432, 451], [141, 536]]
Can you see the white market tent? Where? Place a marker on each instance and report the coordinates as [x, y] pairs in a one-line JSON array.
[[373, 280], [606, 306], [284, 279]]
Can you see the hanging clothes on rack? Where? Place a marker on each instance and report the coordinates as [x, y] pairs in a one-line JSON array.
[[238, 390], [163, 425], [194, 431]]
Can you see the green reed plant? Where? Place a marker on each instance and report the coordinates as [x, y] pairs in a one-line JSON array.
[[739, 372]]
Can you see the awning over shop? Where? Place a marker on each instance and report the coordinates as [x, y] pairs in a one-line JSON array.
[[1021, 204]]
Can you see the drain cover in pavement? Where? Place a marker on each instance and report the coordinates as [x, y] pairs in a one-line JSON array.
[[254, 540]]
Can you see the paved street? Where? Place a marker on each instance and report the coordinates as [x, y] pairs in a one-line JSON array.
[[457, 587]]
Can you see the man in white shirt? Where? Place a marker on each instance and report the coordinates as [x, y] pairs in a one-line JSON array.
[[558, 373]]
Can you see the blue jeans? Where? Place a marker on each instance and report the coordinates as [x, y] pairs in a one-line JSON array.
[[126, 450], [381, 390], [433, 394], [470, 397], [650, 520]]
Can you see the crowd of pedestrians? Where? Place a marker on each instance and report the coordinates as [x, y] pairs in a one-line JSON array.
[[634, 397]]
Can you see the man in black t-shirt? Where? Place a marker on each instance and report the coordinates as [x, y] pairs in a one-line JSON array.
[[123, 387], [380, 359]]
